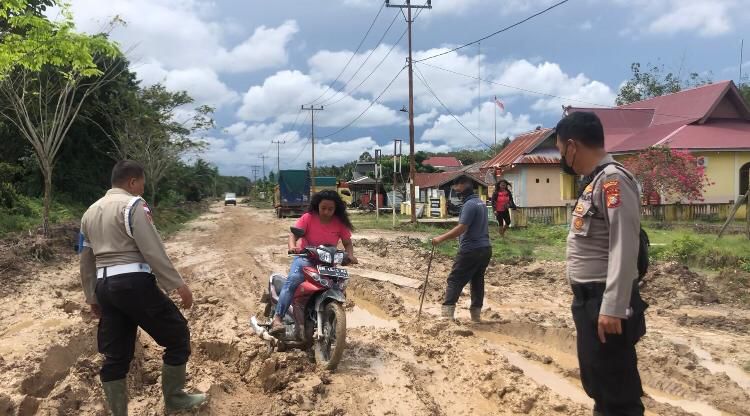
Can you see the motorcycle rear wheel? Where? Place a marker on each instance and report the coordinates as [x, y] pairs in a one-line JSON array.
[[330, 347]]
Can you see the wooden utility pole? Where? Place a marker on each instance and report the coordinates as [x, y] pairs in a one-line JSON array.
[[396, 169], [312, 109], [378, 175], [278, 143], [412, 165], [263, 158]]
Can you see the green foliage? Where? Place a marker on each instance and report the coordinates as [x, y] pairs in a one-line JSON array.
[[654, 82]]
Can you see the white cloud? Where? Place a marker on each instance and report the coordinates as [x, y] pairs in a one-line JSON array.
[[454, 7], [202, 84], [708, 18], [586, 26], [266, 48], [447, 130], [280, 97]]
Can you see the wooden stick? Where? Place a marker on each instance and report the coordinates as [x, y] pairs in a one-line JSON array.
[[424, 288], [736, 207]]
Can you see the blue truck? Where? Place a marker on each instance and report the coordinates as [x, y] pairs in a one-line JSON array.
[[292, 194]]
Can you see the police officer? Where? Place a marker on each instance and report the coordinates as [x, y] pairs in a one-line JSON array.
[[602, 249], [474, 251], [122, 259]]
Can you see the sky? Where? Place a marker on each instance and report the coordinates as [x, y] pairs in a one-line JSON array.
[[258, 62]]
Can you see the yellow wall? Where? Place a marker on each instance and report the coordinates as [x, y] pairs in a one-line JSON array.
[[543, 194], [722, 168]]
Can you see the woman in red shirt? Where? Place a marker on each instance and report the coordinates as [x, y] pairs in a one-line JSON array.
[[502, 202], [325, 223]]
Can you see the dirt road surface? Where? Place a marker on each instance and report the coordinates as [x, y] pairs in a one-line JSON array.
[[521, 360]]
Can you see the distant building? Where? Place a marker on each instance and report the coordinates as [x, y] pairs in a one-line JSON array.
[[444, 163]]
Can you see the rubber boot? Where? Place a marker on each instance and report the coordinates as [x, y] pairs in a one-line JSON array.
[[476, 314], [447, 312], [172, 385], [116, 392]]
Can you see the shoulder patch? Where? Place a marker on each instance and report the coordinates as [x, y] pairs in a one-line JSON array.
[[147, 210], [612, 193]]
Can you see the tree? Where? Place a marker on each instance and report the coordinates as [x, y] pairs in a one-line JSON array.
[[47, 71], [150, 132], [654, 83], [365, 157], [669, 174]]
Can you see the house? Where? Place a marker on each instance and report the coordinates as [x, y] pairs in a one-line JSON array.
[[531, 164], [363, 168], [711, 121], [435, 189], [444, 163]]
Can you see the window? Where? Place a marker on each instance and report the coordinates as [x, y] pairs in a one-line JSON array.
[[537, 180], [744, 178], [547, 180]]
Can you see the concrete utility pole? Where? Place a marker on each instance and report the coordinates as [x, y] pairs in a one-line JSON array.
[[312, 109], [378, 175], [263, 158], [278, 143], [412, 165], [255, 172]]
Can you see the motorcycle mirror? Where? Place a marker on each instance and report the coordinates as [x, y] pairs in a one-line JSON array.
[[297, 232]]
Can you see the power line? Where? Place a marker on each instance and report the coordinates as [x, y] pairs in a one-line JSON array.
[[424, 82], [363, 62], [366, 109], [505, 29], [353, 54], [606, 106]]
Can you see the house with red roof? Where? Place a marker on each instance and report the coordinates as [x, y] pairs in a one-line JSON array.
[[531, 164], [711, 121], [444, 163]]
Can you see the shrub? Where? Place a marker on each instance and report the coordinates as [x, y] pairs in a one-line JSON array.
[[684, 249]]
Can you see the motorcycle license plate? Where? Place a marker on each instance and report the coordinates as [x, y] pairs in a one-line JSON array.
[[333, 271]]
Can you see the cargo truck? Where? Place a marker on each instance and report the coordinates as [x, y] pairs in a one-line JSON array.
[[292, 195]]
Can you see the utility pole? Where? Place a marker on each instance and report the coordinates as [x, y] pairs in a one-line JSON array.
[[412, 166], [278, 144], [255, 172], [312, 109], [263, 158], [378, 175], [396, 169]]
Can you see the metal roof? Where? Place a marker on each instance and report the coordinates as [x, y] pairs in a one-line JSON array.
[[520, 146], [443, 161]]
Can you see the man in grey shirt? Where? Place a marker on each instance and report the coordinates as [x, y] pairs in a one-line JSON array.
[[602, 253], [474, 251]]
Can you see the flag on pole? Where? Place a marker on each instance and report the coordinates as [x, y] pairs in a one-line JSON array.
[[500, 104]]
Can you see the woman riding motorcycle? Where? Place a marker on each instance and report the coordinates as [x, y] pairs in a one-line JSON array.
[[325, 223]]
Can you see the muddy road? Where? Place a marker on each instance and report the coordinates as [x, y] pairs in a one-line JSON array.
[[521, 360]]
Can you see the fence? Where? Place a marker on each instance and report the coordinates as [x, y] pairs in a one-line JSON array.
[[524, 216]]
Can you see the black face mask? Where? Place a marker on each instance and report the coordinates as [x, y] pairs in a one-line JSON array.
[[564, 164]]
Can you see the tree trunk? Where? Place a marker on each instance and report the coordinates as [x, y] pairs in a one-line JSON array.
[[47, 173]]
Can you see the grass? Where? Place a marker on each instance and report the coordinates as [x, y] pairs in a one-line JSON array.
[[679, 242], [171, 219]]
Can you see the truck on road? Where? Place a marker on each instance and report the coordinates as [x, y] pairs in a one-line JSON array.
[[292, 195]]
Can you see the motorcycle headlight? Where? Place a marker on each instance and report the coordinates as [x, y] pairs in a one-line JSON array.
[[324, 256], [338, 258]]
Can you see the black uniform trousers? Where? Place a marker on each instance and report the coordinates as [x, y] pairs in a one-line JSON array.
[[609, 371], [468, 267], [133, 300]]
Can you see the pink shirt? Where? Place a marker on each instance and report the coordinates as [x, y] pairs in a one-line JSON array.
[[317, 233]]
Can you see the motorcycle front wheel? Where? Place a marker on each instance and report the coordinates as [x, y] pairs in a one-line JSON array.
[[330, 347]]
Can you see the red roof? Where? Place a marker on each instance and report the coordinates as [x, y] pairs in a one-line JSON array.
[[443, 161], [519, 151], [708, 117], [435, 180]]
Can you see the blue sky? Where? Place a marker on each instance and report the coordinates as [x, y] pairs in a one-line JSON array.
[[258, 61]]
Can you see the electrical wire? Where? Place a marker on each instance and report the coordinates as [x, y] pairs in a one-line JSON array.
[[372, 103], [361, 42], [343, 87], [422, 79], [505, 29]]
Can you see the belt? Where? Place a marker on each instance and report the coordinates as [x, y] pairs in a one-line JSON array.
[[110, 271]]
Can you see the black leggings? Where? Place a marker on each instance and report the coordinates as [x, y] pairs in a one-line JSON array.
[[503, 217]]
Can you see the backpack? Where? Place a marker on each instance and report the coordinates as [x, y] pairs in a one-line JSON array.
[[644, 243]]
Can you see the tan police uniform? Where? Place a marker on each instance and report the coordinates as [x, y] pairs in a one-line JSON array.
[[602, 252], [122, 259]]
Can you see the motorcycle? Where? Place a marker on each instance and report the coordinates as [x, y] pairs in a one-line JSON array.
[[316, 320]]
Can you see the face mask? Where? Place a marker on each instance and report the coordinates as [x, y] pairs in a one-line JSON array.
[[564, 164]]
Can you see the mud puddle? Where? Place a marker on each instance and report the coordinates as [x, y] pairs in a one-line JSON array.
[[367, 314], [701, 408]]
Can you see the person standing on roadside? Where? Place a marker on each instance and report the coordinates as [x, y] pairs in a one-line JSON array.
[[502, 203], [122, 259], [474, 251], [602, 248]]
